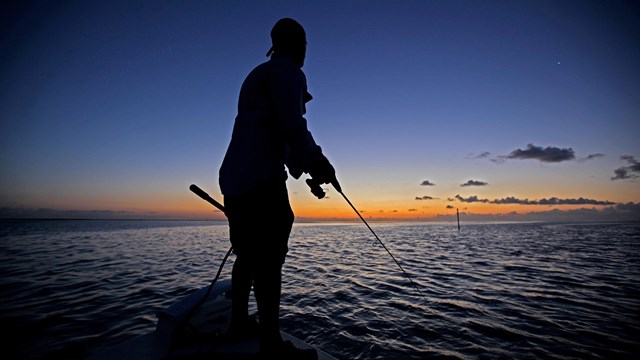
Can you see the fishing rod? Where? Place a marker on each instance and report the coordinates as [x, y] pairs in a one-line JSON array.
[[319, 193], [203, 195], [182, 321]]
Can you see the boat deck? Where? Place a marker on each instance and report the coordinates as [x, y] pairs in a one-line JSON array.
[[195, 328]]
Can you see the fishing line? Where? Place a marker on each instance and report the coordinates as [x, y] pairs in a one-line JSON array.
[[381, 243], [316, 190]]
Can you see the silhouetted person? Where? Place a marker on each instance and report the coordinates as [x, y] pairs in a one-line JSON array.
[[269, 133]]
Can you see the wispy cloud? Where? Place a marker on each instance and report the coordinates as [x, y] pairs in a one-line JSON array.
[[631, 171], [549, 154], [543, 201], [426, 197], [593, 156], [450, 207], [474, 183], [427, 183], [482, 155]]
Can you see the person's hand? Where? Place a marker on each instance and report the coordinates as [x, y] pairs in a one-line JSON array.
[[323, 172]]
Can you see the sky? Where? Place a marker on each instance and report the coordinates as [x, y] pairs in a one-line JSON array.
[[523, 110]]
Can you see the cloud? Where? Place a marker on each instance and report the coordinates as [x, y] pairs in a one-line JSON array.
[[427, 183], [474, 183], [619, 212], [471, 199], [450, 207], [482, 155], [543, 201], [621, 174], [632, 171], [549, 154], [593, 156], [628, 207], [426, 197], [499, 160], [578, 201], [413, 209], [511, 200]]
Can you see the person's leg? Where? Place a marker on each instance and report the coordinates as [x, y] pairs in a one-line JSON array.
[[238, 211], [268, 279], [267, 288], [241, 281]]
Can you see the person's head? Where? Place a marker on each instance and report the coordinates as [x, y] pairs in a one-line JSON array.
[[289, 39]]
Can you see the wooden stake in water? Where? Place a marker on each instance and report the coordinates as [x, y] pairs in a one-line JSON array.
[[458, 216]]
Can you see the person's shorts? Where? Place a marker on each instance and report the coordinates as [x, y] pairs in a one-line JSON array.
[[260, 222]]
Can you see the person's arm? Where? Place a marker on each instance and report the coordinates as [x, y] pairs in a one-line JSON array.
[[288, 89]]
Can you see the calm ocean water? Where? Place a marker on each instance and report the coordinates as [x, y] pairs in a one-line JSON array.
[[512, 291]]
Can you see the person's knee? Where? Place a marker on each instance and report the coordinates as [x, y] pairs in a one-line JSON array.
[[268, 270]]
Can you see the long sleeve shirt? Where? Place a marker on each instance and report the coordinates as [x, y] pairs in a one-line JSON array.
[[269, 130]]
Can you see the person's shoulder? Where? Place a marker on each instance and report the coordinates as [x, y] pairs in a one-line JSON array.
[[284, 66], [278, 71], [264, 67], [277, 65]]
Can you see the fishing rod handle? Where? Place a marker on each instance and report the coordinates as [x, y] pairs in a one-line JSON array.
[[204, 196]]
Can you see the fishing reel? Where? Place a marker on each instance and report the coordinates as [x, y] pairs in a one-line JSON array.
[[315, 188]]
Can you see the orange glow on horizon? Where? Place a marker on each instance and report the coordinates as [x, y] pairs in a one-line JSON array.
[[187, 206]]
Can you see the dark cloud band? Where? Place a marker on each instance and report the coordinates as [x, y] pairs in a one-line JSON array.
[[549, 201]]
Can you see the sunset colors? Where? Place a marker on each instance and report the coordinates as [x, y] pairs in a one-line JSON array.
[[504, 110]]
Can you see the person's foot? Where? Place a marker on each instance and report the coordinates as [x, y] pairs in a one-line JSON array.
[[243, 331], [287, 351]]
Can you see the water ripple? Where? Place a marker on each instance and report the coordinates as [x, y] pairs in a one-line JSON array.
[[492, 291]]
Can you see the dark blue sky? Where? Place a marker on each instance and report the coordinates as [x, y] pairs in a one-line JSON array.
[[120, 105]]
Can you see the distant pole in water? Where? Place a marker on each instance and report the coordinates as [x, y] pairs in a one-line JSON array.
[[458, 216]]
